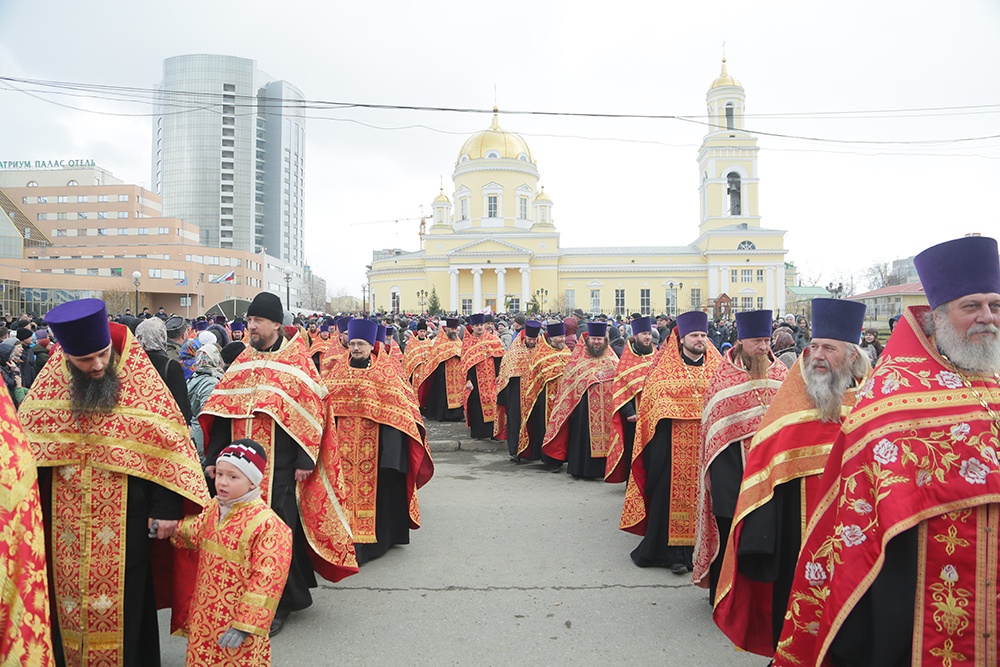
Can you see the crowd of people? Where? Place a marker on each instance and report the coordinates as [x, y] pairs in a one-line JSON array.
[[838, 498]]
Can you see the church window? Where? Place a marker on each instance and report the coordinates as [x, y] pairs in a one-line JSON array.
[[543, 212], [513, 304], [760, 275], [734, 276], [492, 155], [746, 303], [760, 303], [491, 206], [644, 301], [730, 116], [466, 306], [746, 245], [522, 212], [733, 191], [695, 298], [523, 157], [747, 275], [619, 302], [570, 299], [465, 208], [595, 300], [395, 302]]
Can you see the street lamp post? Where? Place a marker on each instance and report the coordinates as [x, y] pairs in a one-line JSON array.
[[364, 299], [836, 290], [288, 288], [422, 299], [136, 280], [542, 295], [672, 296]]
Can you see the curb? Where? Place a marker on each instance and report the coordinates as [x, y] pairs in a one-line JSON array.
[[465, 445]]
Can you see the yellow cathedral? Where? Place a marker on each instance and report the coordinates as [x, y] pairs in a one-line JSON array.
[[494, 243]]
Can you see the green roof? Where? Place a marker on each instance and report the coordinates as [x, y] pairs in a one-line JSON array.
[[807, 291]]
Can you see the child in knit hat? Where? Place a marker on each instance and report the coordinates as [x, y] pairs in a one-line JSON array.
[[244, 552]]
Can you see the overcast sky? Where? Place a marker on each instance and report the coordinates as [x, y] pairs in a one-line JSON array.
[[802, 64]]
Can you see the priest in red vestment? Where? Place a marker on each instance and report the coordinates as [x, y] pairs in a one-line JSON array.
[[661, 498], [416, 354], [781, 476], [273, 394], [382, 442], [626, 392], [481, 354], [321, 345], [540, 387], [440, 383], [901, 563], [116, 461], [579, 428], [513, 365], [25, 631], [738, 396]]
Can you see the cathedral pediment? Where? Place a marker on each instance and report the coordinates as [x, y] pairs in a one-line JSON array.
[[489, 247]]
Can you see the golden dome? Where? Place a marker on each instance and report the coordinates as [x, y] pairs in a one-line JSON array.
[[442, 198], [724, 79], [542, 197], [504, 144]]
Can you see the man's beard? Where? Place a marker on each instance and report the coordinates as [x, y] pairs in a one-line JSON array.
[[981, 357], [756, 365], [90, 395], [596, 351], [558, 344], [693, 350], [452, 335], [260, 344], [826, 390], [530, 342], [640, 348]]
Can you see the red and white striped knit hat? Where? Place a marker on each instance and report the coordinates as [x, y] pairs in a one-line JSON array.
[[248, 456]]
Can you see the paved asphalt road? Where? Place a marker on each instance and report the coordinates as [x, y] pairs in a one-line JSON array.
[[513, 566]]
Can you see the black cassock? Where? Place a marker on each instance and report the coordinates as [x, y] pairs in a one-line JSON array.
[[437, 399], [657, 458], [510, 398], [536, 431], [392, 510], [579, 462], [480, 429]]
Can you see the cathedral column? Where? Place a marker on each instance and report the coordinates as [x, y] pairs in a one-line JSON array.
[[724, 288], [781, 287], [713, 282], [453, 291], [477, 290], [525, 289], [769, 300], [501, 288]]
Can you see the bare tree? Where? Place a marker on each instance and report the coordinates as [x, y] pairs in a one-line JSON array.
[[879, 274], [118, 300], [342, 302]]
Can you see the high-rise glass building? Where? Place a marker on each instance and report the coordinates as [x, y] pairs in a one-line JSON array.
[[229, 154]]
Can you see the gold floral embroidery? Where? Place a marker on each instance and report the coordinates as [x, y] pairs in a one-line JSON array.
[[951, 540], [947, 653]]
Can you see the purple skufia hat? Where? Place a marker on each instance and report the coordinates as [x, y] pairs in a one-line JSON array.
[[953, 269], [642, 325], [692, 321], [81, 327], [380, 333], [531, 328], [324, 327], [838, 319], [237, 326], [390, 331], [555, 329], [451, 322], [597, 329], [201, 326], [752, 324], [363, 329], [477, 318], [343, 323], [220, 319]]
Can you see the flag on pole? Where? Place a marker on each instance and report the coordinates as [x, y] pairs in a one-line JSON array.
[[226, 278], [182, 282]]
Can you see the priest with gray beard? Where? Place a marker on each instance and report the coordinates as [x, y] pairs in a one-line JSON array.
[[781, 476]]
